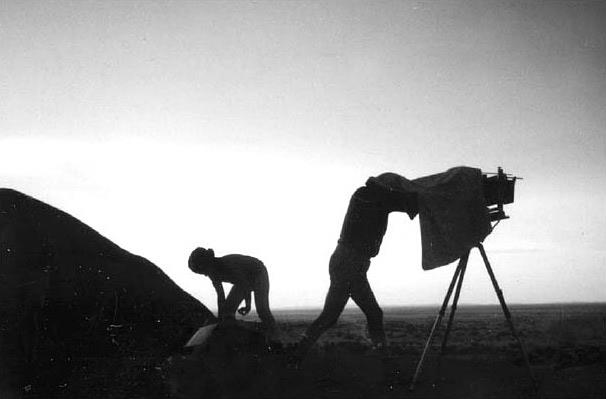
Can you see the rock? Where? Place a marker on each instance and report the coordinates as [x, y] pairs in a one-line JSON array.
[[70, 298], [235, 361]]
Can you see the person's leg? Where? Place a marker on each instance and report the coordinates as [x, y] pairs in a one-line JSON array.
[[335, 301], [261, 290], [336, 298], [233, 300], [362, 295]]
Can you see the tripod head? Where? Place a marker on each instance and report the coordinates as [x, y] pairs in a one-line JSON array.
[[498, 191]]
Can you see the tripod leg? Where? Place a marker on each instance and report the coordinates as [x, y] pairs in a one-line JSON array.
[[453, 308], [506, 312], [436, 323]]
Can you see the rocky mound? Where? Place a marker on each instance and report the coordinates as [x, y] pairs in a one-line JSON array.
[[71, 300]]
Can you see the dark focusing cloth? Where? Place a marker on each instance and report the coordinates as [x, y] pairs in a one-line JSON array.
[[452, 212]]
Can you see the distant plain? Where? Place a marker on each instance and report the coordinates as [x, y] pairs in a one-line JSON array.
[[566, 344]]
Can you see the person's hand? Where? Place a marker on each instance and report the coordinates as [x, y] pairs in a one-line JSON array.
[[244, 311]]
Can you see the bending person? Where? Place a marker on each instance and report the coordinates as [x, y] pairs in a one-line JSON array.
[[247, 274], [363, 229]]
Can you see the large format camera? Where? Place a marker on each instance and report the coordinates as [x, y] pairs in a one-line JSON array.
[[498, 191]]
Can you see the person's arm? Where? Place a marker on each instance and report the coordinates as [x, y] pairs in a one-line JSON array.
[[220, 297], [244, 310], [242, 281]]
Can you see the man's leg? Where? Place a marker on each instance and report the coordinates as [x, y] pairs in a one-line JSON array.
[[362, 295], [262, 301], [336, 298], [335, 301]]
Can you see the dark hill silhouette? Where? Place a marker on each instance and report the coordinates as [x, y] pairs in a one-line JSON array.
[[70, 299]]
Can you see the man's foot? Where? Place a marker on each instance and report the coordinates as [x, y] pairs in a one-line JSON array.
[[378, 346], [293, 362], [298, 353], [295, 355], [380, 349]]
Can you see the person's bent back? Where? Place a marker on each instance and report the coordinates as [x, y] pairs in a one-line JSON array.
[[246, 273]]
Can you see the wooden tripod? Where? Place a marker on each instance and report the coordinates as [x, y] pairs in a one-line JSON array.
[[458, 278]]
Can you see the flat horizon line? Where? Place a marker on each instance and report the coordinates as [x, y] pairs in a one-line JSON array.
[[437, 305]]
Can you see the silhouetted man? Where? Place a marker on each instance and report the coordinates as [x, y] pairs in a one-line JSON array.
[[361, 236], [246, 273]]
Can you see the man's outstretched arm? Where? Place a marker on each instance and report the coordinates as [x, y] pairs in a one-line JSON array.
[[220, 298]]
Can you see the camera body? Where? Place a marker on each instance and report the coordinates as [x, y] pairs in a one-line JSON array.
[[498, 191]]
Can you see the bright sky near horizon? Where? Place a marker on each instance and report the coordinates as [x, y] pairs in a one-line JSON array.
[[246, 126]]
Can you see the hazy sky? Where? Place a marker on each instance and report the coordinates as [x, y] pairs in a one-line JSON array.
[[246, 126]]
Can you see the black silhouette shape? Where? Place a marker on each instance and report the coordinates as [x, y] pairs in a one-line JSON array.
[[76, 310], [247, 274], [363, 229]]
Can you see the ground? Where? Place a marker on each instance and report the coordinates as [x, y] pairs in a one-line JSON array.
[[566, 346]]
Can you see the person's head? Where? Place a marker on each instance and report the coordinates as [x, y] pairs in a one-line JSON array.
[[201, 260], [401, 198], [405, 202]]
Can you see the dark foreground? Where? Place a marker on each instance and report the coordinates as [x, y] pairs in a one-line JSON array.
[[81, 317], [566, 344]]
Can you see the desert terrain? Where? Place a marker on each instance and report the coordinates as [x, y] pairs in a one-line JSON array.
[[566, 344], [81, 317]]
